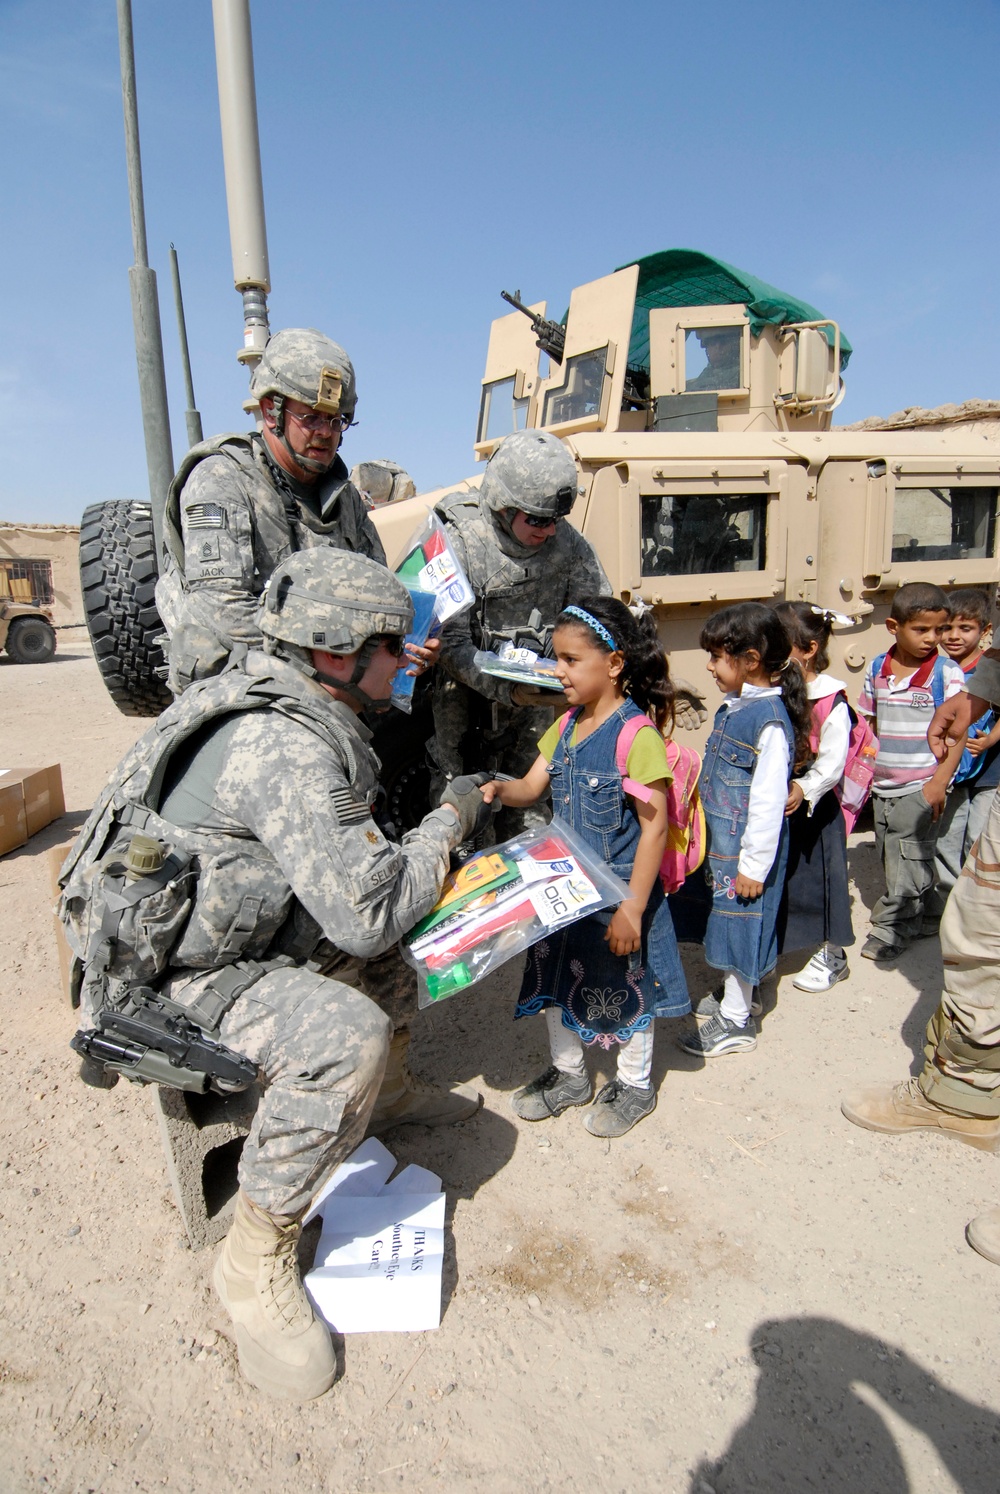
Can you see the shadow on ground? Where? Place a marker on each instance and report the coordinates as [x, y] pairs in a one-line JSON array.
[[818, 1422]]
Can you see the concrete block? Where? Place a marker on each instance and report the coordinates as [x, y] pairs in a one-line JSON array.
[[202, 1139]]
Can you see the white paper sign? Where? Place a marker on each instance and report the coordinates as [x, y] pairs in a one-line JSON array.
[[381, 1251]]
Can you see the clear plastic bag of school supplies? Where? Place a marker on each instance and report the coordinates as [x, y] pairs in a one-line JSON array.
[[502, 901], [522, 665], [403, 682], [430, 565]]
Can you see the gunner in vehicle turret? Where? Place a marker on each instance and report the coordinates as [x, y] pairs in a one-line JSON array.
[[721, 346]]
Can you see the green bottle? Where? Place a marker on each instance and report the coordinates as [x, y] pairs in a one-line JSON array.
[[449, 981]]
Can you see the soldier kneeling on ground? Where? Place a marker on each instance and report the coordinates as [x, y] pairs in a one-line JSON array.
[[232, 902]]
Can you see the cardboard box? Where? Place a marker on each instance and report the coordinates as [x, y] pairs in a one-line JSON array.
[[13, 824], [40, 792]]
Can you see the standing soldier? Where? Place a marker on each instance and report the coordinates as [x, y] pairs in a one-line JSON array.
[[525, 563], [241, 504], [957, 1093], [232, 875]]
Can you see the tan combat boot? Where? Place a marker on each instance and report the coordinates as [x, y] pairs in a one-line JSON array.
[[283, 1347], [895, 1108], [983, 1234], [405, 1101]]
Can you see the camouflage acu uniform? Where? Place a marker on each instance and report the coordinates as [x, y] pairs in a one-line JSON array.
[[476, 724], [961, 1070], [232, 516], [270, 787]]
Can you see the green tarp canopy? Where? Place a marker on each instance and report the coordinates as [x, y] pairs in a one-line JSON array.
[[684, 277]]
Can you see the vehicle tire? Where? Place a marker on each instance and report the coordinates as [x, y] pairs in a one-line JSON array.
[[118, 576], [31, 640]]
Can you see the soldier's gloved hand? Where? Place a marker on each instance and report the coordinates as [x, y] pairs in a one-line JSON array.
[[463, 794], [688, 714], [532, 695]]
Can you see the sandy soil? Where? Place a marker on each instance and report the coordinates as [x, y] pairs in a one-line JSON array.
[[746, 1293]]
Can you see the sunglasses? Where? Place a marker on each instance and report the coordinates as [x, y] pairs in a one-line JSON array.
[[394, 642], [314, 421], [538, 521]]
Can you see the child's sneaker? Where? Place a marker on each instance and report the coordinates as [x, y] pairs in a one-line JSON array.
[[619, 1107], [718, 1036], [550, 1094], [709, 1005], [823, 971]]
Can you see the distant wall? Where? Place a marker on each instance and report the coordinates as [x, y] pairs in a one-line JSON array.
[[60, 544]]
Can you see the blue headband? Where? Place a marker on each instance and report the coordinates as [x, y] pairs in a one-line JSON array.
[[592, 622]]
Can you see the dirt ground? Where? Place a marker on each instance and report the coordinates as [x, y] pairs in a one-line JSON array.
[[745, 1293]]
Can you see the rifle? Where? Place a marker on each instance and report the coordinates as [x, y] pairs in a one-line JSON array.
[[155, 1045], [549, 336]]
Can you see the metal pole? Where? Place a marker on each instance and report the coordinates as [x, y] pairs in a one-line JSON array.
[[192, 418], [241, 156], [145, 303]]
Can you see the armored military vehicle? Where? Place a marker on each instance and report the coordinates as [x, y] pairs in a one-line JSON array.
[[698, 402], [27, 635]]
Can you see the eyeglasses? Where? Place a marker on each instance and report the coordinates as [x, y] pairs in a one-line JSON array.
[[539, 521], [315, 421], [394, 643]]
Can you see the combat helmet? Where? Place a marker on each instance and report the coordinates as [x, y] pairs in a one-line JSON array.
[[532, 471], [339, 603], [300, 363]]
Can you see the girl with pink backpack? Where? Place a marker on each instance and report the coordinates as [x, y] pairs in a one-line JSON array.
[[602, 981]]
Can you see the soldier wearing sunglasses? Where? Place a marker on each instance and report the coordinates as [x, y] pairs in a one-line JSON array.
[[525, 563]]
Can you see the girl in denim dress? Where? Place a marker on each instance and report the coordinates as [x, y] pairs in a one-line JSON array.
[[603, 980], [761, 730]]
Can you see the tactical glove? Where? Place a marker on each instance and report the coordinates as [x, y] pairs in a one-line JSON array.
[[464, 795], [689, 714]]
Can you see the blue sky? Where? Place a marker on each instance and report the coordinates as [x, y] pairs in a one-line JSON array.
[[419, 158]]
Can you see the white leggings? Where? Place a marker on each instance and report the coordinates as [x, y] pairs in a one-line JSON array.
[[736, 997], [635, 1058]]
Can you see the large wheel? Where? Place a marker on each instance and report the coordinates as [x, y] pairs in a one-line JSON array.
[[118, 575], [31, 640]]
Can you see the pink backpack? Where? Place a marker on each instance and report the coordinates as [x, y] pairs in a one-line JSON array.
[[686, 835], [862, 749]]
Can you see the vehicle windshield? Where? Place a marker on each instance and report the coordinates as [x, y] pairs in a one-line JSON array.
[[712, 358], [944, 523], [579, 395], [688, 535]]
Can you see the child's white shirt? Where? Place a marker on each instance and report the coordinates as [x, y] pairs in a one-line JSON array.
[[768, 789], [834, 740]]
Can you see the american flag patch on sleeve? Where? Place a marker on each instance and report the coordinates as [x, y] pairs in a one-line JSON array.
[[206, 516]]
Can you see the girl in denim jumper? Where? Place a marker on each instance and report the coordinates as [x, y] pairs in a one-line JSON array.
[[603, 980], [761, 730]]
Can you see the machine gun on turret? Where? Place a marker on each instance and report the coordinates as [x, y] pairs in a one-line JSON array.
[[550, 336]]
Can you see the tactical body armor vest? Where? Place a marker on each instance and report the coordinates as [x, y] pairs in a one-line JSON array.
[[216, 898], [519, 592], [281, 524]]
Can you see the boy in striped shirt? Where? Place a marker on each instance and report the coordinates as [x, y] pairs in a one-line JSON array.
[[902, 690]]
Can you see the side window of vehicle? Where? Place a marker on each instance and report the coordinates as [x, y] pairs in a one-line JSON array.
[[695, 534], [501, 412], [579, 396], [944, 523]]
